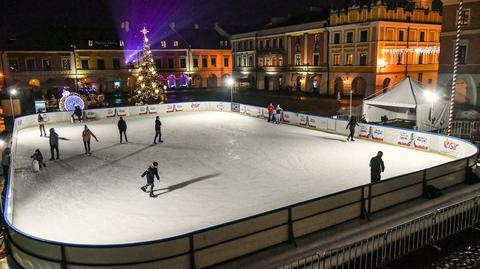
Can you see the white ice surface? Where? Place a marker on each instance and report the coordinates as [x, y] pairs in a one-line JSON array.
[[214, 167]]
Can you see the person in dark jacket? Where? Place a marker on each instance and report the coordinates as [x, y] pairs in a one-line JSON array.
[[41, 125], [53, 139], [151, 173], [158, 131], [6, 162], [37, 156], [376, 167], [351, 124], [78, 112], [122, 129]]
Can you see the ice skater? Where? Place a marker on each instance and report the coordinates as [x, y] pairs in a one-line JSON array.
[[278, 112], [78, 113], [122, 129], [351, 124], [151, 173], [376, 167], [41, 125], [37, 157], [158, 131], [87, 136], [53, 139], [270, 109]]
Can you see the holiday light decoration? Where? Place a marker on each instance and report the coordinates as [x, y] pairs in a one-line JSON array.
[[417, 50], [147, 89], [70, 100]]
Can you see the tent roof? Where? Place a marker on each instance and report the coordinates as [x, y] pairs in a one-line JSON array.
[[407, 93]]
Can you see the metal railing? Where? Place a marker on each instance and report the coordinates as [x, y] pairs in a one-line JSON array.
[[378, 250]]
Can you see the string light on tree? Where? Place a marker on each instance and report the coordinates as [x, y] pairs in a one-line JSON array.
[[148, 90]]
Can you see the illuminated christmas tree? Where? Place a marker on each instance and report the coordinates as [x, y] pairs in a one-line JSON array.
[[148, 88]]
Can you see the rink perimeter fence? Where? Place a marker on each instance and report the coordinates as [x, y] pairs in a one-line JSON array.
[[223, 242]]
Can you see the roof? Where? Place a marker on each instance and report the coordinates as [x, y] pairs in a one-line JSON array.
[[193, 38], [407, 93]]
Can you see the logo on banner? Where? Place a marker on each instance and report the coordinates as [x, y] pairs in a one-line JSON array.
[[220, 106], [110, 113], [195, 106], [365, 131], [311, 122], [143, 110], [152, 109], [406, 139], [421, 142], [170, 108], [178, 107], [285, 117], [450, 145], [90, 115], [303, 120], [121, 112], [377, 134]]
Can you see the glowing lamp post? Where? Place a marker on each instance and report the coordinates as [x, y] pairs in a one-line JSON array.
[[12, 93], [432, 97], [230, 83]]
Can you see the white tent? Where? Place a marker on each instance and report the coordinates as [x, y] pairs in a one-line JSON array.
[[408, 100]]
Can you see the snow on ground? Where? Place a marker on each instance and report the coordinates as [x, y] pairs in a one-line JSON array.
[[214, 167]]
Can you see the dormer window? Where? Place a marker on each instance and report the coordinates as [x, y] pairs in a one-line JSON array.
[[90, 43], [175, 43], [121, 43], [163, 44]]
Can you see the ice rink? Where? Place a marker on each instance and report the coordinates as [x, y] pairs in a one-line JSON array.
[[214, 167]]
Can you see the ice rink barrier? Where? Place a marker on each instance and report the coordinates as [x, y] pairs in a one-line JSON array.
[[223, 242]]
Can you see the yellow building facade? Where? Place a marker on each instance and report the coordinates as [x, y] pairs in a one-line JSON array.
[[373, 48]]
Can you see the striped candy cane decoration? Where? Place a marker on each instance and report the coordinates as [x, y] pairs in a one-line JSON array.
[[455, 65]]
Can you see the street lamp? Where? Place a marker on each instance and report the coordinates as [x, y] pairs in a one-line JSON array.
[[351, 93], [230, 83], [12, 92], [432, 97]]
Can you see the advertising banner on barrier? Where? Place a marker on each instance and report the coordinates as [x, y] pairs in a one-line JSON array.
[[110, 112], [308, 121], [377, 133], [286, 117], [178, 107], [91, 115], [365, 131], [170, 108], [122, 111], [220, 107], [243, 109], [414, 140], [194, 107], [142, 110], [265, 113], [235, 107], [450, 146], [152, 110]]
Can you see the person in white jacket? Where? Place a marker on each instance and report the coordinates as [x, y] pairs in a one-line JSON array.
[[278, 112]]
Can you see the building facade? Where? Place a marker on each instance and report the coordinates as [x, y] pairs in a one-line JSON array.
[[468, 76], [287, 57], [373, 47]]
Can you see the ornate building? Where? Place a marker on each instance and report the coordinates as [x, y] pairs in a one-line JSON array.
[[468, 77], [288, 54], [373, 47]]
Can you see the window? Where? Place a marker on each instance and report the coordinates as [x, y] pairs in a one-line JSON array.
[[66, 64], [250, 60], [100, 64], [267, 61], [349, 59], [225, 61], [213, 61], [363, 59], [171, 63], [280, 43], [315, 46], [399, 58], [297, 59], [260, 61], [275, 42], [30, 63], [47, 64], [163, 44], [336, 59], [364, 36], [195, 62], [116, 63], [244, 60], [462, 54], [85, 64], [401, 35], [280, 61], [420, 58], [183, 63], [350, 37], [90, 43], [204, 62], [121, 43], [250, 44], [336, 38], [316, 59], [422, 36], [175, 43], [316, 37], [13, 65], [158, 63], [466, 16], [260, 44], [267, 44], [420, 77], [274, 61]]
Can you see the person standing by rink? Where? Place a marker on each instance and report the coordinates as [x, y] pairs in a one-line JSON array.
[[151, 173], [270, 109], [6, 162], [351, 124], [122, 129], [158, 131], [53, 139], [41, 125], [376, 167], [278, 112], [87, 136]]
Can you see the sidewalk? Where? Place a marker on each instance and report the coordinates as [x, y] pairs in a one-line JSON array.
[[350, 232]]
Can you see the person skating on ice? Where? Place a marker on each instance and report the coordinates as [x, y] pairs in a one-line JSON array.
[[53, 139], [158, 131], [87, 136], [151, 173], [376, 167], [41, 125], [351, 124], [270, 109], [37, 156], [122, 129], [278, 112]]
